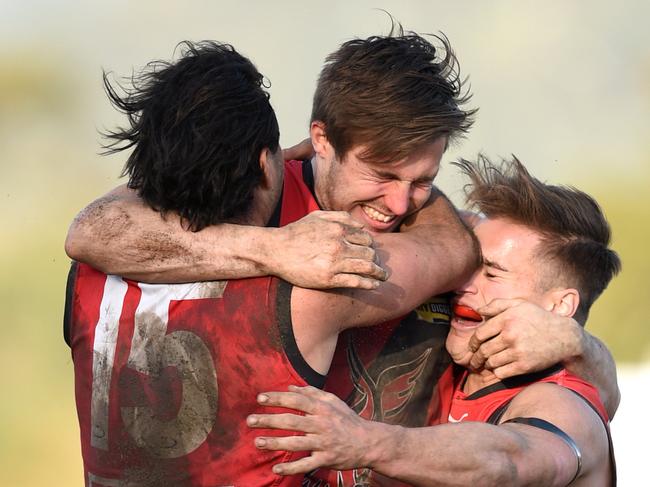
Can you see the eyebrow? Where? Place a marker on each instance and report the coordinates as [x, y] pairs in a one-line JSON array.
[[493, 264], [389, 175]]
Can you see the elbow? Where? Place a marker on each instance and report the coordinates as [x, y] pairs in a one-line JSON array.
[[474, 256], [612, 403], [72, 246], [79, 246], [469, 256]]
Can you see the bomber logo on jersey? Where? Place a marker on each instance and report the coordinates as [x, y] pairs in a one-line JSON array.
[[436, 310], [384, 397]]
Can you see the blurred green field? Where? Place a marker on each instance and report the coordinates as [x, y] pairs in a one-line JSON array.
[[51, 106]]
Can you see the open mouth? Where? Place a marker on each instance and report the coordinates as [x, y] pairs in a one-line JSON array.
[[377, 215], [466, 313]]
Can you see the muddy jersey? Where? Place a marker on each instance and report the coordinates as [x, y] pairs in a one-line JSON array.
[[397, 372], [165, 376]]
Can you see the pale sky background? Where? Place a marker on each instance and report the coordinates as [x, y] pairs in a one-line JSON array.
[[564, 85]]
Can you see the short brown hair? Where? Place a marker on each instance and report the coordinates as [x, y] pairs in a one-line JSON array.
[[393, 94], [575, 233]]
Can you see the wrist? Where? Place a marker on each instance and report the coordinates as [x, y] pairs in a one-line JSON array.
[[578, 345], [381, 452], [264, 243]]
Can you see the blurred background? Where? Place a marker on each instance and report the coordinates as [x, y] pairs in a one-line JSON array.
[[563, 85]]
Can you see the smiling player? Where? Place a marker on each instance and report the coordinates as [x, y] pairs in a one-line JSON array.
[[544, 248]]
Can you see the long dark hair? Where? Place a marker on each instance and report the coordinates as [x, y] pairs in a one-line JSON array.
[[197, 127]]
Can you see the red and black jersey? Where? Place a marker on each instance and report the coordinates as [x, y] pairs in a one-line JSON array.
[[398, 372], [165, 376], [487, 405]]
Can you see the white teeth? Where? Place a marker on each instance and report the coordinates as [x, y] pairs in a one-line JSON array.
[[375, 215]]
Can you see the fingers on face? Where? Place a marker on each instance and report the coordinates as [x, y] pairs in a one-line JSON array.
[[498, 305], [509, 370], [498, 360], [486, 351], [486, 331]]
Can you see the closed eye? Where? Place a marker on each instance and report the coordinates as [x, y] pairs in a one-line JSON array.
[[424, 184]]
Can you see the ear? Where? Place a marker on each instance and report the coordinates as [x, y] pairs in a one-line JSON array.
[[564, 302], [266, 162], [322, 147]]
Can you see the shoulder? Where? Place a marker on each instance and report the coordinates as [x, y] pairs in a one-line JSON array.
[[548, 399], [567, 411]]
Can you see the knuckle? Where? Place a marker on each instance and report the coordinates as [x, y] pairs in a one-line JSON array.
[[328, 458], [508, 334]]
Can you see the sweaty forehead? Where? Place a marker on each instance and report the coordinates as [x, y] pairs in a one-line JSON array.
[[506, 243]]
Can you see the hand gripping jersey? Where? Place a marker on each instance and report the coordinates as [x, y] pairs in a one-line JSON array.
[[488, 405], [165, 376], [397, 372]]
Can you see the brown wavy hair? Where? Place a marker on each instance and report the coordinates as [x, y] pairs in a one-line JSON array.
[[393, 94], [575, 233]]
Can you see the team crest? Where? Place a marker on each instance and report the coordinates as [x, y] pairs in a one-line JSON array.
[[384, 398]]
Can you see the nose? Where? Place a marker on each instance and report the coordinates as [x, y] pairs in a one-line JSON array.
[[398, 198], [469, 286]]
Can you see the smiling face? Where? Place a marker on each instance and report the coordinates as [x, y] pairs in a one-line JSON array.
[[510, 269], [378, 195]]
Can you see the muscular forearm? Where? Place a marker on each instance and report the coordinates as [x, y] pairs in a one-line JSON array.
[[432, 254], [449, 250], [108, 236], [459, 455], [119, 234], [594, 363]]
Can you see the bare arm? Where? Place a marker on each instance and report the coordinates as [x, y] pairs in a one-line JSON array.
[[593, 361], [453, 454], [119, 234], [420, 264], [520, 337], [432, 255]]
